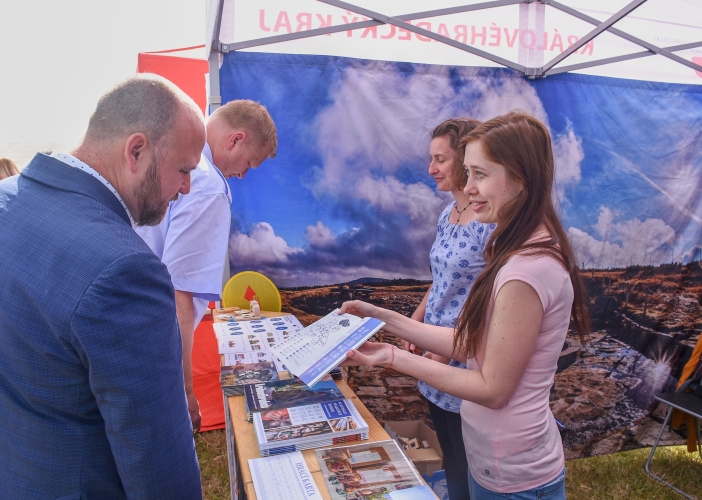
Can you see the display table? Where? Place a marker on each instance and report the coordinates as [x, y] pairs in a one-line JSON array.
[[247, 447], [242, 445]]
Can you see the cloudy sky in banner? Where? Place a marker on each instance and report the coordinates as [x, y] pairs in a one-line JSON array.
[[349, 196]]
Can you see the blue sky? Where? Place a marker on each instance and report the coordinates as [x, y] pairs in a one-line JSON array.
[[348, 194]]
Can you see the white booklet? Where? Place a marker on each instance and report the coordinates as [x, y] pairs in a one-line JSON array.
[[283, 476], [320, 347]]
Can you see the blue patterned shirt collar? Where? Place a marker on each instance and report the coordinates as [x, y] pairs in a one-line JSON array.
[[75, 162]]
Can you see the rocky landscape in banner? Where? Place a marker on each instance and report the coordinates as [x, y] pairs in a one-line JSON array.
[[645, 323]]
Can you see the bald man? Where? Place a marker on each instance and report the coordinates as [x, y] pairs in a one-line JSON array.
[[92, 404], [193, 238]]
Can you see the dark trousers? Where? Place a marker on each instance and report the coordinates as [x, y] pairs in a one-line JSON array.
[[448, 430]]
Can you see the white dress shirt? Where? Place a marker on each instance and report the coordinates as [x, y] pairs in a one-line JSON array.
[[193, 238]]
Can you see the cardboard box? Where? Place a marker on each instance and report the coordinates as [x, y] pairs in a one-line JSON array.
[[426, 460]]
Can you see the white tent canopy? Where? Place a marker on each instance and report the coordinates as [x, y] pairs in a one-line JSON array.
[[655, 40]]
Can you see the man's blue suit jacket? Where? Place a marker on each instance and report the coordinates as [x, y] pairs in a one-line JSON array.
[[92, 402]]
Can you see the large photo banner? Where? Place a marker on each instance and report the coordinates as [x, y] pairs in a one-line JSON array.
[[347, 209]]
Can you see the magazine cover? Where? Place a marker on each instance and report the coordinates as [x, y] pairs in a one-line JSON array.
[[303, 424], [282, 394], [233, 378], [367, 471]]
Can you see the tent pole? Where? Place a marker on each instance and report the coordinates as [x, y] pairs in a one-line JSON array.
[[214, 43], [625, 57], [214, 94], [598, 30], [665, 52]]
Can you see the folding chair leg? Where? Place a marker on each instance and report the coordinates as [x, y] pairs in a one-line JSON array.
[[650, 457]]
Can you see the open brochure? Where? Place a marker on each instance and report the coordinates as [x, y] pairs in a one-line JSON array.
[[320, 347], [284, 476], [372, 470]]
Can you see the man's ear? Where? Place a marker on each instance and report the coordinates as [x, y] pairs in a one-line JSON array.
[[134, 150], [235, 137]]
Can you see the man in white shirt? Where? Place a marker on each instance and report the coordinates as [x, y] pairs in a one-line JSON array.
[[193, 238]]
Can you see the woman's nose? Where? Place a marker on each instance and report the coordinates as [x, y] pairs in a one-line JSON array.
[[470, 187]]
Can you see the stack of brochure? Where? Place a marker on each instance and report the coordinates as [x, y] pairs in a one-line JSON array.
[[245, 346], [304, 427], [245, 341], [372, 470], [281, 394]]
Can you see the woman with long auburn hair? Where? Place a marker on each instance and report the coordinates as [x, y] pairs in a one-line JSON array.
[[456, 259], [513, 325]]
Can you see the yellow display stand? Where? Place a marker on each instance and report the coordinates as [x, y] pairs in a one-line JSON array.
[[247, 285]]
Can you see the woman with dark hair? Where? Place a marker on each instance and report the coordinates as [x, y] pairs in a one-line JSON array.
[[456, 260], [513, 324]]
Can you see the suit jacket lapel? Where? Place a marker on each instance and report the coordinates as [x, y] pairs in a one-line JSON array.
[[57, 174]]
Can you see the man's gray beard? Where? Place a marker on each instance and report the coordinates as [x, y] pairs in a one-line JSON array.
[[149, 195]]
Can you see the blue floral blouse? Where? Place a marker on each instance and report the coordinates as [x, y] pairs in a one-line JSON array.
[[456, 259]]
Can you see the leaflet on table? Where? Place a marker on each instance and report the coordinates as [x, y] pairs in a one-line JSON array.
[[320, 347], [245, 336], [307, 423], [282, 394], [372, 470], [252, 357], [234, 378], [284, 324], [246, 342], [283, 476]]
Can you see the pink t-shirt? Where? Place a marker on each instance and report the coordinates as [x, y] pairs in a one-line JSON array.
[[518, 447]]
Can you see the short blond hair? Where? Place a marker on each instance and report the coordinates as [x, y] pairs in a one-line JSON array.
[[8, 168], [252, 118]]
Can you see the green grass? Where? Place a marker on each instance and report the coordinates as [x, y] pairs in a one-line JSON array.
[[622, 475], [619, 476], [211, 449]]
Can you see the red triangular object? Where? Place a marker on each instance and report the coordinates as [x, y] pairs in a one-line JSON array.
[[250, 294]]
